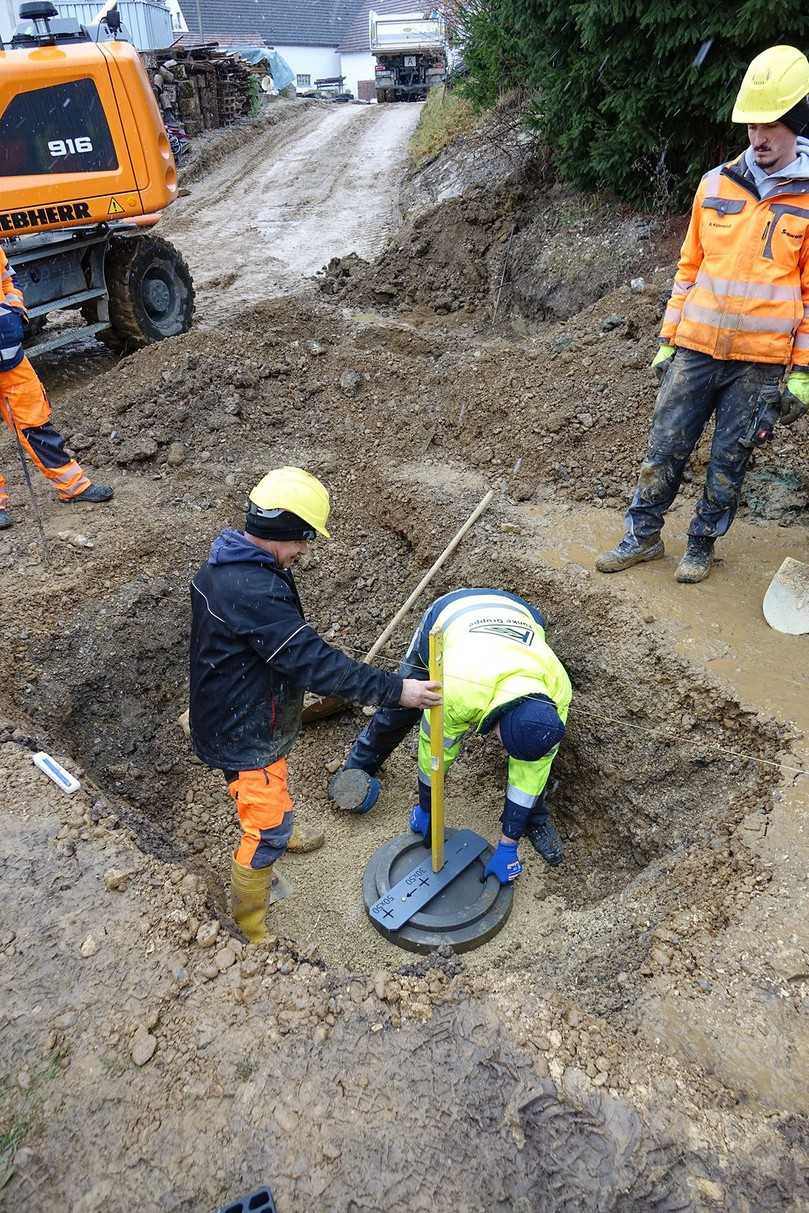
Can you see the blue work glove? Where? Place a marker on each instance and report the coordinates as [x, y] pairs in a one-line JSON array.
[[504, 864], [11, 335], [371, 796], [420, 821]]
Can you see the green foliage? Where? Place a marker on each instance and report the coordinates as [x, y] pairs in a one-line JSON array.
[[444, 116], [613, 86]]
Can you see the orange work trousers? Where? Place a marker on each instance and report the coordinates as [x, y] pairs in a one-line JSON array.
[[265, 813], [24, 404]]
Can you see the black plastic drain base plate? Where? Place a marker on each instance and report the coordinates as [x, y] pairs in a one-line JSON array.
[[466, 913]]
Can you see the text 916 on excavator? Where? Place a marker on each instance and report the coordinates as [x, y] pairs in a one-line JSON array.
[[85, 171]]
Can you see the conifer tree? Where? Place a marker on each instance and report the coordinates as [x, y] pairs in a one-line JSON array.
[[632, 96]]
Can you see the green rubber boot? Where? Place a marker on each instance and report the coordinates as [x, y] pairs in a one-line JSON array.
[[250, 899]]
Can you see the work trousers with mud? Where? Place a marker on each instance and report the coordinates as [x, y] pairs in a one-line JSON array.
[[25, 407], [694, 388], [389, 726], [265, 813]]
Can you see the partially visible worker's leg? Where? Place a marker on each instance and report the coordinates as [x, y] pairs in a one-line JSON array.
[[736, 406], [266, 818], [542, 833], [740, 386], [684, 404], [23, 396], [388, 726], [5, 517]]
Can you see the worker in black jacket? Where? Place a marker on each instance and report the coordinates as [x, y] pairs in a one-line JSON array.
[[252, 656]]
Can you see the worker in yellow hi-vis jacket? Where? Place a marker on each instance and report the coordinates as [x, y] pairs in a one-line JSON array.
[[500, 677]]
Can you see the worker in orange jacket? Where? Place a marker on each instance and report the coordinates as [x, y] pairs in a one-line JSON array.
[[26, 409], [737, 320]]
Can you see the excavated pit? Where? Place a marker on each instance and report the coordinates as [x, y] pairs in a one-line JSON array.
[[645, 800]]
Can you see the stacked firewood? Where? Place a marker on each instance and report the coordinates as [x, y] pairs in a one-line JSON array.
[[203, 87]]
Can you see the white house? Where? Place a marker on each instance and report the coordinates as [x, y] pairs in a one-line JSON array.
[[177, 19]]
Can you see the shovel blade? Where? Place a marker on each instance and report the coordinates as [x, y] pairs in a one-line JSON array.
[[786, 603], [280, 889], [322, 709]]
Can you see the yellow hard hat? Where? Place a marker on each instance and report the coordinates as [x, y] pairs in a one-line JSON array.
[[289, 491], [775, 82]]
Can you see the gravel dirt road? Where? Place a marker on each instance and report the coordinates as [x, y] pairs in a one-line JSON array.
[[277, 211]]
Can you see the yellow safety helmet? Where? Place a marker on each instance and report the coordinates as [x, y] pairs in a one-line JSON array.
[[775, 83], [288, 503]]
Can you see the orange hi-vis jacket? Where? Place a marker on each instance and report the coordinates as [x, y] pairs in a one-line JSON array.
[[741, 291], [10, 292]]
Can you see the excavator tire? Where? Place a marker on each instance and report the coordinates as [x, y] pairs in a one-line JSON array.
[[151, 292]]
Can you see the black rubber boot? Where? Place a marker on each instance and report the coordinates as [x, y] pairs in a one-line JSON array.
[[5, 520], [95, 494], [696, 563], [544, 838]]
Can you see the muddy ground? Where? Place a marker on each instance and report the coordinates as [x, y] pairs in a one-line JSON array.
[[636, 1037]]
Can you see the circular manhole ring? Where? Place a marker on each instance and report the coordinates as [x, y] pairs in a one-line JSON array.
[[466, 914]]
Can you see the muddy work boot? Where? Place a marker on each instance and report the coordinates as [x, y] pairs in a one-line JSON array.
[[303, 841], [544, 838], [696, 563], [5, 520], [628, 552], [95, 494], [354, 790]]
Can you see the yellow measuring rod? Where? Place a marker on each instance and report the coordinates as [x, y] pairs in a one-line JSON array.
[[437, 752]]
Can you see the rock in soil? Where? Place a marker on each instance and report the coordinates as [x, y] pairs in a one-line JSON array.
[[143, 1047]]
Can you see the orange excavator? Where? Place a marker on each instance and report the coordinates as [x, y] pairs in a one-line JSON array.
[[85, 172]]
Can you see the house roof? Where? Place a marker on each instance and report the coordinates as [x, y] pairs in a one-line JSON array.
[[218, 40], [293, 23], [356, 38], [339, 23]]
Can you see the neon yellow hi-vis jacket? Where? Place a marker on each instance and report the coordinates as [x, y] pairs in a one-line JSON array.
[[494, 653]]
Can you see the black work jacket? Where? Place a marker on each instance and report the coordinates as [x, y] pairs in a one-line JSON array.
[[252, 656]]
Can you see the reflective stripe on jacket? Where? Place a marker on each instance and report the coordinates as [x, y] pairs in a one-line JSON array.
[[12, 295], [494, 653], [741, 291]]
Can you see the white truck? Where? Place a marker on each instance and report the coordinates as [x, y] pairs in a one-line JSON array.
[[411, 54]]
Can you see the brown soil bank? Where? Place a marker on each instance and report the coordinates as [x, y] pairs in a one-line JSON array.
[[140, 1074], [531, 1065], [521, 250]]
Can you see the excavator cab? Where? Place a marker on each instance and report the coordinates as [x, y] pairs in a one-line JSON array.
[[85, 170]]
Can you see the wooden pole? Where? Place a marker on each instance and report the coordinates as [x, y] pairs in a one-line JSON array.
[[437, 752], [428, 576]]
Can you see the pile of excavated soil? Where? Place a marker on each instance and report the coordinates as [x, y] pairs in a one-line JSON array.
[[523, 250], [562, 413]]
